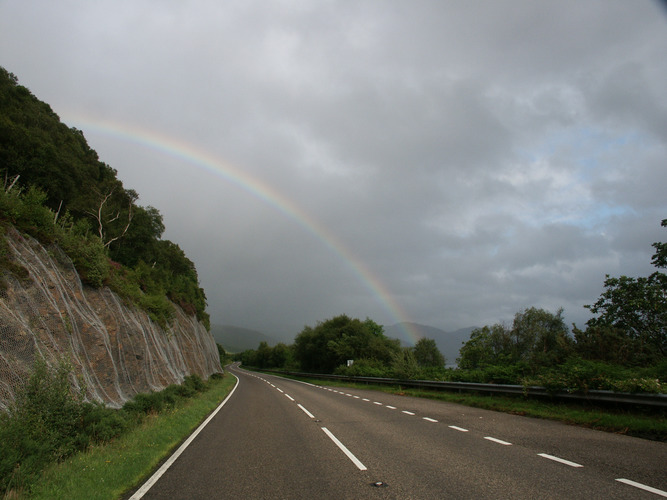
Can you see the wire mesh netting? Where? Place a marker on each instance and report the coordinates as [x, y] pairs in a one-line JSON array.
[[115, 350]]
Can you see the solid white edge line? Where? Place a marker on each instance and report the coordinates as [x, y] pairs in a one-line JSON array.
[[499, 441], [561, 460], [342, 447], [306, 411], [158, 474], [643, 487]]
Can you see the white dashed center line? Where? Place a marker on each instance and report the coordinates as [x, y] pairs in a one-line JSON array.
[[430, 419], [643, 487], [347, 452], [458, 428], [560, 460], [499, 441], [306, 411], [408, 412]]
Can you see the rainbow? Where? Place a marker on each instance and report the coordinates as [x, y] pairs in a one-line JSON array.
[[186, 152]]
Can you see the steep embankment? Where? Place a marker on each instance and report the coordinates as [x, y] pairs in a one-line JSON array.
[[115, 349]]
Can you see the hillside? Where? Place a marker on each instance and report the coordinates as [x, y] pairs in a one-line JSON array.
[[237, 339], [51, 166], [85, 277], [114, 349]]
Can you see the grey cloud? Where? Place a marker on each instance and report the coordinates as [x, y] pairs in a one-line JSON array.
[[475, 158]]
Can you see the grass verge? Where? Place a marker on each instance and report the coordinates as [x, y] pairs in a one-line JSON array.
[[647, 424], [109, 471]]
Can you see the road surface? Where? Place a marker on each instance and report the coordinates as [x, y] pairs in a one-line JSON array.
[[278, 438]]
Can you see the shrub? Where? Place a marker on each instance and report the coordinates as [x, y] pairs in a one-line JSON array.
[[44, 424], [364, 368]]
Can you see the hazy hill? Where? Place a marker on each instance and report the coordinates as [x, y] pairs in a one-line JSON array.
[[237, 339], [449, 343]]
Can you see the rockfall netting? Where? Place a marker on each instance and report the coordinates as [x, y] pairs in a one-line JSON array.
[[115, 349]]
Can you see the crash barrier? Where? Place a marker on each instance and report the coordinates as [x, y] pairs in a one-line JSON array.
[[596, 396]]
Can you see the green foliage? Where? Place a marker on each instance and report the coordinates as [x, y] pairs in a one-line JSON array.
[[332, 342], [364, 368], [50, 422], [578, 375], [77, 201], [427, 354], [537, 338], [404, 365], [632, 317], [45, 424]]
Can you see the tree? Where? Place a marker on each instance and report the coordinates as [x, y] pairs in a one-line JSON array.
[[487, 346], [633, 312], [332, 342], [537, 338], [111, 225], [427, 354]]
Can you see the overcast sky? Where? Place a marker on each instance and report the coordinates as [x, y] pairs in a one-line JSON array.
[[443, 162]]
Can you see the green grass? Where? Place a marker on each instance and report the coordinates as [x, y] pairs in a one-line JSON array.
[[648, 424], [109, 471]]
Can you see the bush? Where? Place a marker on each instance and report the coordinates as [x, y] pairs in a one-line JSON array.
[[49, 421], [364, 368], [44, 425]]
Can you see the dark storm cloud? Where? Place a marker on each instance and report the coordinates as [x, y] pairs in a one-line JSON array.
[[475, 158]]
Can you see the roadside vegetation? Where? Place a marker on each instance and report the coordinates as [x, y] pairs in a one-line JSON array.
[[623, 348], [87, 445], [55, 189]]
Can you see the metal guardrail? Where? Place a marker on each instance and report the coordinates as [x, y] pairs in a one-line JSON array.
[[621, 398]]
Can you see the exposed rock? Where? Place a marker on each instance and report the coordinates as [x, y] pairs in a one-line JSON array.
[[115, 348]]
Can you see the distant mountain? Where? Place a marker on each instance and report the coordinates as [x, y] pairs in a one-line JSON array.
[[449, 343], [237, 339]]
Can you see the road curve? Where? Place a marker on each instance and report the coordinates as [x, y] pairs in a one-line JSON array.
[[279, 438]]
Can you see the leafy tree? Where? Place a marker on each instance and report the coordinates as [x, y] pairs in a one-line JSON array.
[[487, 346], [427, 354], [332, 342], [537, 338], [97, 217], [632, 314]]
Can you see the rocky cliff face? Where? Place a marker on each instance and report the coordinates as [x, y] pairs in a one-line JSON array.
[[115, 349]]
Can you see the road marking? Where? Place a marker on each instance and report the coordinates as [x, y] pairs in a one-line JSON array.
[[355, 397], [279, 389], [408, 412], [350, 395], [365, 399], [306, 411], [643, 487], [561, 460], [291, 398], [347, 452], [499, 441], [430, 419], [458, 428], [165, 466], [377, 403]]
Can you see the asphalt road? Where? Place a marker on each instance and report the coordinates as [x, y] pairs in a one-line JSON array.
[[277, 438]]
